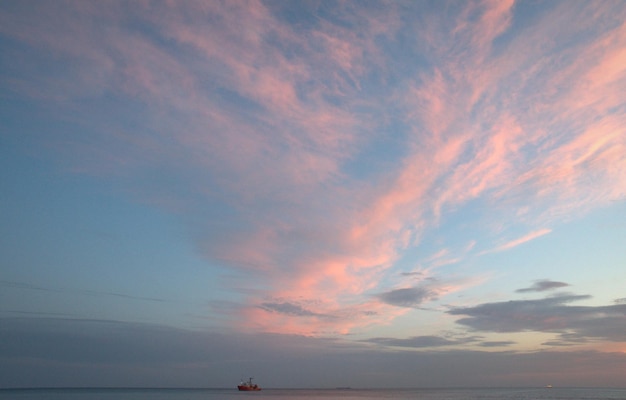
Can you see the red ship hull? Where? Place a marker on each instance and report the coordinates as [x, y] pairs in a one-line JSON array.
[[245, 388]]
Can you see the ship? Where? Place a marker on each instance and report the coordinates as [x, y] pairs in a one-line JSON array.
[[248, 386]]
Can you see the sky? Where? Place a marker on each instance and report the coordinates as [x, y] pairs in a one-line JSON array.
[[313, 193]]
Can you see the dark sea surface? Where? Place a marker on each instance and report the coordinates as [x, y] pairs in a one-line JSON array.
[[315, 394]]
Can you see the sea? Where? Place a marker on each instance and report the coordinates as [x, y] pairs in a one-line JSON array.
[[315, 394]]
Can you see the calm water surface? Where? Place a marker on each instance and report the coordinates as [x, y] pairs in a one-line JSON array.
[[317, 394]]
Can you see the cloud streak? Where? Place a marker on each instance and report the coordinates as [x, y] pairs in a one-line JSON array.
[[421, 341], [27, 286], [522, 240], [542, 286]]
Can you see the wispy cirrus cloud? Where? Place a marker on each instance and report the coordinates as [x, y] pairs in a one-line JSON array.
[[269, 131]]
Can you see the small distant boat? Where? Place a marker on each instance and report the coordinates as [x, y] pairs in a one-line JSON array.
[[548, 386], [248, 386]]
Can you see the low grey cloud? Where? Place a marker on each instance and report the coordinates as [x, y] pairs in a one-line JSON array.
[[566, 339], [421, 341], [406, 297], [290, 309], [558, 343], [620, 301], [496, 343], [547, 314], [416, 273], [542, 286], [552, 314]]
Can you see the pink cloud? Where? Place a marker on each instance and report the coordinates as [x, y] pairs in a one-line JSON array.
[[582, 157], [246, 100], [504, 156], [507, 149]]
